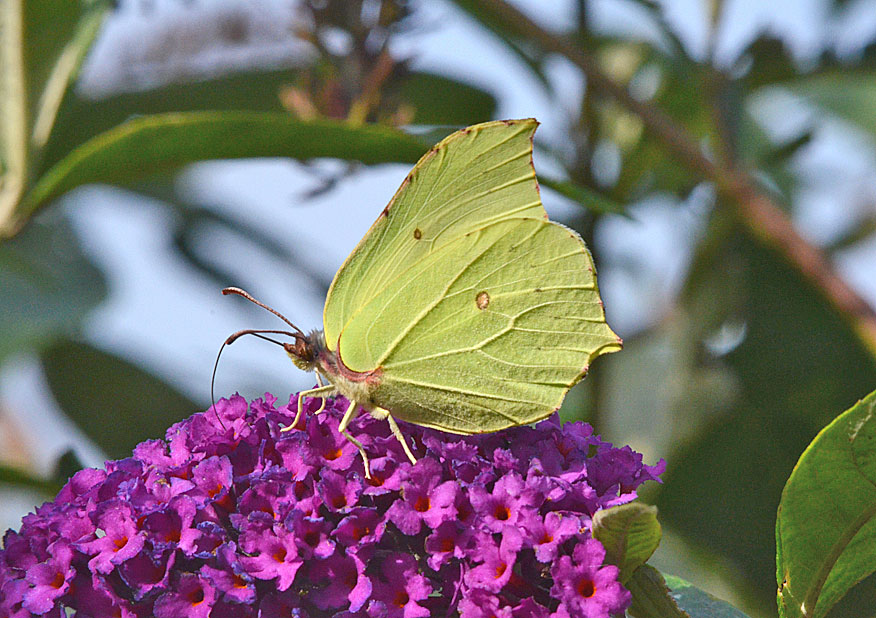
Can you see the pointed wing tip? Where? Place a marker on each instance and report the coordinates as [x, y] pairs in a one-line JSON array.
[[512, 121], [531, 123]]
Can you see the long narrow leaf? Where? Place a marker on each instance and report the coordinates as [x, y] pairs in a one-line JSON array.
[[114, 402], [151, 144], [20, 478]]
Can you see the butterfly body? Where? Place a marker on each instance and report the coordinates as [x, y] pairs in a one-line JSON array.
[[463, 308], [312, 355]]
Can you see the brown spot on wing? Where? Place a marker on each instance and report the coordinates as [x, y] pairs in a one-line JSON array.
[[482, 300]]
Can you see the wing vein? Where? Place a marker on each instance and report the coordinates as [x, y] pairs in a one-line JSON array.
[[461, 391], [429, 307]]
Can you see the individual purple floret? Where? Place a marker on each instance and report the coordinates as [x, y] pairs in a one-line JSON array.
[[230, 517]]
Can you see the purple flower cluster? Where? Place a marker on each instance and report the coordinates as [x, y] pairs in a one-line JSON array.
[[238, 519]]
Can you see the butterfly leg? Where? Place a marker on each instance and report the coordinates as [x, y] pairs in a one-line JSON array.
[[322, 391], [351, 413], [322, 405], [393, 426]]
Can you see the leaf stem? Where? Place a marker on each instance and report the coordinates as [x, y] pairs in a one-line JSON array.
[[755, 208]]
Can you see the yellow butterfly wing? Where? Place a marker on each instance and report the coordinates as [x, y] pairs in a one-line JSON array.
[[488, 332], [475, 311], [472, 178]]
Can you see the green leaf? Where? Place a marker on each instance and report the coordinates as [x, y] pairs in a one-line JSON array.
[[630, 533], [850, 95], [671, 39], [67, 465], [771, 62], [665, 596], [20, 478], [153, 144], [192, 221], [48, 285], [794, 364], [80, 119], [588, 198], [783, 152], [439, 100], [698, 603], [826, 527], [651, 596], [64, 62], [645, 165], [114, 402], [673, 597], [42, 45]]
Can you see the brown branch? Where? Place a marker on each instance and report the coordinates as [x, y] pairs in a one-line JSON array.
[[757, 210], [769, 223]]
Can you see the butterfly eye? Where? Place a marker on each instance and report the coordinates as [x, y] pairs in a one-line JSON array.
[[482, 300]]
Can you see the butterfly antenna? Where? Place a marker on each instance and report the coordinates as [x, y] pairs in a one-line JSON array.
[[234, 337], [250, 298]]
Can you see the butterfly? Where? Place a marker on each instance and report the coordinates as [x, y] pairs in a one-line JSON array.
[[463, 308]]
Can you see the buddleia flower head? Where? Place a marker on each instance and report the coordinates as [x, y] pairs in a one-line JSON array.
[[229, 516]]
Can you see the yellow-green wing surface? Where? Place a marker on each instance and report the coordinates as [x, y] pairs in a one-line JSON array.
[[471, 179], [488, 331]]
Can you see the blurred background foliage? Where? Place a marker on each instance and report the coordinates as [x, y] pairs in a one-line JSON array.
[[748, 317]]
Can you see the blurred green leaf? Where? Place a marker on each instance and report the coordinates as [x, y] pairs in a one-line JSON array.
[[657, 13], [82, 118], [20, 478], [194, 221], [666, 596], [773, 162], [630, 533], [858, 234], [41, 48], [795, 363], [57, 43], [67, 465], [766, 60], [651, 596], [152, 144], [785, 151], [114, 402], [48, 285], [588, 198], [826, 527], [697, 603], [439, 100], [683, 95], [848, 94]]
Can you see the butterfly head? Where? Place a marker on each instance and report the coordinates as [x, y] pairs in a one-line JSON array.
[[305, 350]]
